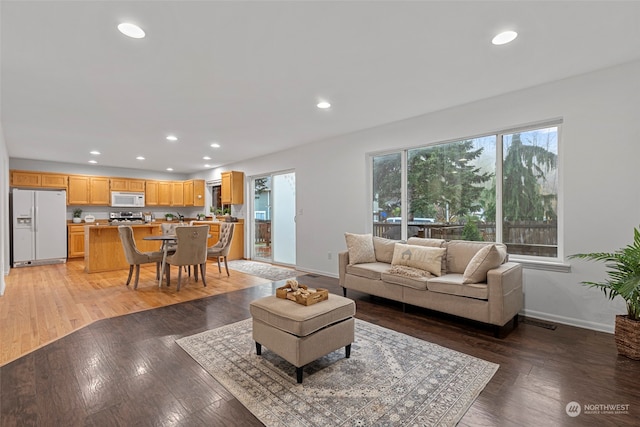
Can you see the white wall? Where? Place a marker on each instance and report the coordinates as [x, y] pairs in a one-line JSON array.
[[600, 148], [4, 211]]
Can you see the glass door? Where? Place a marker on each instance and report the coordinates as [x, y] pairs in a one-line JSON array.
[[261, 218], [273, 218]]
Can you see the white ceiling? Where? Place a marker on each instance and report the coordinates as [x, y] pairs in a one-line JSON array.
[[249, 74]]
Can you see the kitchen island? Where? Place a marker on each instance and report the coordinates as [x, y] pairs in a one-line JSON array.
[[103, 247]]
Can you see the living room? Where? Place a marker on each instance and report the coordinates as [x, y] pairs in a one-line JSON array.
[[598, 152]]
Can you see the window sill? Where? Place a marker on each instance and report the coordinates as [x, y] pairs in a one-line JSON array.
[[556, 266]]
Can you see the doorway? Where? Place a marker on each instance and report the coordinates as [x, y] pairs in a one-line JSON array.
[[273, 218]]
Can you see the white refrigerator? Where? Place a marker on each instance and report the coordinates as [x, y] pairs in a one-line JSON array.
[[39, 227]]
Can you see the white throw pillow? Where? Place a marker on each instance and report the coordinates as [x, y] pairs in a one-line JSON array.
[[422, 257], [360, 247], [484, 260]]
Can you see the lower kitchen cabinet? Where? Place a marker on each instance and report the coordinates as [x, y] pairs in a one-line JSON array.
[[75, 241]]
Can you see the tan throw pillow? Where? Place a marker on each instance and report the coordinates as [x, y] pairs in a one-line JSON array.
[[360, 247], [422, 257], [384, 249], [484, 260]]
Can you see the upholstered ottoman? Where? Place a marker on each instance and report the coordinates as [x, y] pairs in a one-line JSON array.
[[301, 334]]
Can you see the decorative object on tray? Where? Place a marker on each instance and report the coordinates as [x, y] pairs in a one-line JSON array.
[[297, 292]]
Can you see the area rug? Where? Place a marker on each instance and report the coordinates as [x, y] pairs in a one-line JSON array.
[[262, 269], [391, 379]]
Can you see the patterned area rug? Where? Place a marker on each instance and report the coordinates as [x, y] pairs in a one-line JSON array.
[[262, 269], [390, 379]]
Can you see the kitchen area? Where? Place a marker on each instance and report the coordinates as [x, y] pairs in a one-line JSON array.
[[82, 224]]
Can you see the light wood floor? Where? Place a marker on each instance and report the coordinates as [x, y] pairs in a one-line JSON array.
[[44, 303]]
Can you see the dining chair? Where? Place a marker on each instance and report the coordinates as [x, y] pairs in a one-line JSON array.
[[191, 249], [134, 256], [222, 248]]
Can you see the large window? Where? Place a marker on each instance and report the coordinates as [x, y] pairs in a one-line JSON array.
[[501, 187]]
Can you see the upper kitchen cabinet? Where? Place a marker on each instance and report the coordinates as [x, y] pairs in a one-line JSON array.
[[177, 193], [38, 179], [232, 191], [194, 192], [88, 190], [151, 193], [127, 184], [164, 193], [158, 193]]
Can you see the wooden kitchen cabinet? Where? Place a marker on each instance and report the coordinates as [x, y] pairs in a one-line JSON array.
[[164, 193], [177, 193], [151, 193], [88, 190], [232, 191], [75, 241], [194, 192], [99, 193], [38, 179], [127, 184], [78, 192]]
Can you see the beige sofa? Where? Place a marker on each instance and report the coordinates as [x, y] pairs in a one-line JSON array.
[[471, 282]]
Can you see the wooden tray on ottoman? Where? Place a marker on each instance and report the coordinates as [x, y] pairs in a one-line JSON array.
[[318, 295]]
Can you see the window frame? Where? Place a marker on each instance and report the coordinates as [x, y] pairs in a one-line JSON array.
[[529, 261]]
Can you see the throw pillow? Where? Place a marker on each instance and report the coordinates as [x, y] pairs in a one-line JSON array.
[[360, 247], [403, 270], [487, 258], [422, 257], [384, 249]]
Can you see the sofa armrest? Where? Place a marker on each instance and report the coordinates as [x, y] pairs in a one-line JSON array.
[[343, 261], [505, 292]]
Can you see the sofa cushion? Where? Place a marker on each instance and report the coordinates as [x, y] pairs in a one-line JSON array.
[[384, 249], [422, 257], [370, 270], [421, 241], [460, 253], [484, 260], [419, 283], [433, 243], [360, 247], [451, 283]]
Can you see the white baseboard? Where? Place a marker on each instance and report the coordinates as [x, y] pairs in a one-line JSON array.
[[601, 327]]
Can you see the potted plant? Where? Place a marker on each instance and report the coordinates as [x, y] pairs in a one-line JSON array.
[[77, 213], [624, 281], [168, 216], [200, 216]]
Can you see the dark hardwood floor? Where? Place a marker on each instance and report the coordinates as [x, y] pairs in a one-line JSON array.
[[128, 370]]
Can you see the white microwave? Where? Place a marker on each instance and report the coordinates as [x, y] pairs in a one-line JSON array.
[[127, 200]]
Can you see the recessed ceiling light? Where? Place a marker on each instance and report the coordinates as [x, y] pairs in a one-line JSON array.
[[170, 169], [94, 152], [215, 145], [207, 166], [131, 30], [323, 105], [172, 138], [93, 161], [139, 158], [206, 158], [504, 37]]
